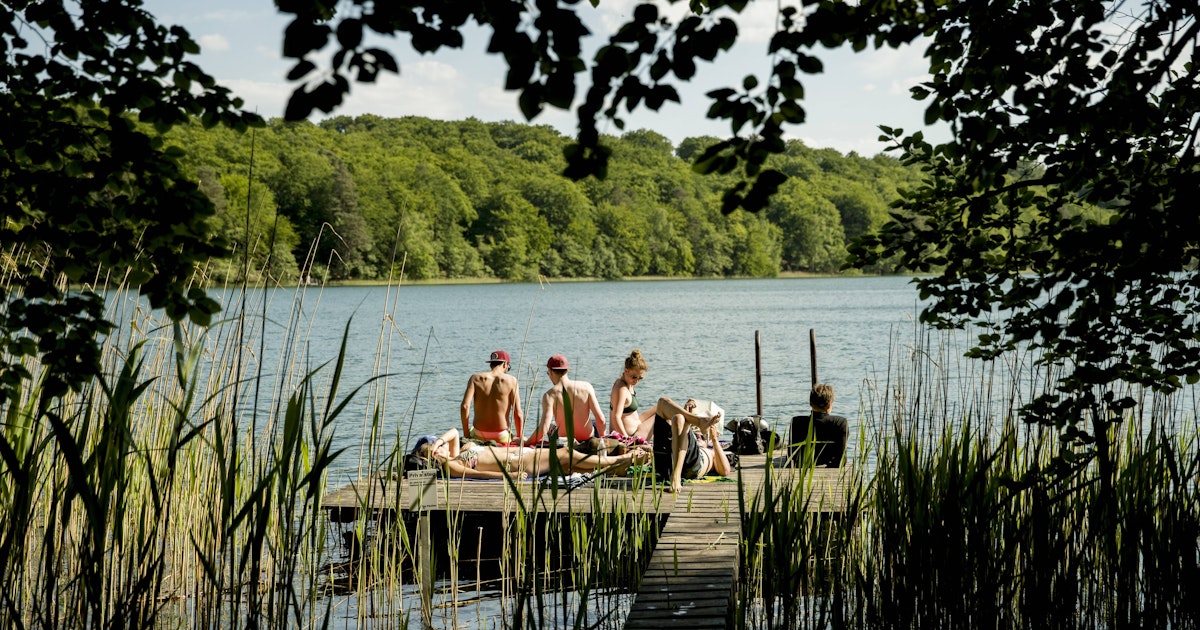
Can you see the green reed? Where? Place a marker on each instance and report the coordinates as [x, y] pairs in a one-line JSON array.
[[177, 488], [960, 516]]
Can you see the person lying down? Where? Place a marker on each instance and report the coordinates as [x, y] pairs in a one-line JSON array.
[[478, 461], [687, 441]]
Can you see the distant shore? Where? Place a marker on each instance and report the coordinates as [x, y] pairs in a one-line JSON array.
[[438, 281]]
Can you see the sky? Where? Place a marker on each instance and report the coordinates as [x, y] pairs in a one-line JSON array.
[[241, 45]]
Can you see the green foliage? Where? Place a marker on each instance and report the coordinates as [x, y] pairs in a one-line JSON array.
[[954, 515], [248, 218], [361, 197], [156, 483], [86, 182], [542, 45], [1061, 214]]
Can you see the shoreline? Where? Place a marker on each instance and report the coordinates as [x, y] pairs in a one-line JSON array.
[[791, 275]]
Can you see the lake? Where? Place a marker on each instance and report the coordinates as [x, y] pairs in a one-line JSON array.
[[698, 337]]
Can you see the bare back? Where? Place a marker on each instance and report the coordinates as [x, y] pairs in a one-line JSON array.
[[494, 395], [584, 407]]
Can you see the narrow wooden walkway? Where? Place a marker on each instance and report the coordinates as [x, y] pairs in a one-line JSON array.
[[689, 581], [690, 578]]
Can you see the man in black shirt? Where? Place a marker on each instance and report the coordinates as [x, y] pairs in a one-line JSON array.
[[827, 431]]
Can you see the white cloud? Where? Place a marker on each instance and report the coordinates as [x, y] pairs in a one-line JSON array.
[[904, 63], [426, 70], [395, 96], [903, 87], [757, 24], [863, 145], [493, 100], [263, 97], [214, 42], [234, 15]]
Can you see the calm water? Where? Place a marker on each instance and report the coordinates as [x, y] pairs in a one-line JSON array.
[[697, 335]]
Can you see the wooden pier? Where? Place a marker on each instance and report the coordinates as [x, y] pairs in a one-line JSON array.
[[689, 580]]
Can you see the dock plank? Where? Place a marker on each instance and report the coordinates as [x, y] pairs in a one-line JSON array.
[[690, 576]]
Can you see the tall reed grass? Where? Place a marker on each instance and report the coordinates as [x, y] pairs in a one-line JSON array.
[[178, 488], [181, 489], [961, 516]]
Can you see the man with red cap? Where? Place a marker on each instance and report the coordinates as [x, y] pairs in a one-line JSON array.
[[494, 395], [586, 420]]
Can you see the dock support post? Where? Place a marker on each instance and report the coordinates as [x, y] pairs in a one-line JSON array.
[[425, 557], [424, 498]]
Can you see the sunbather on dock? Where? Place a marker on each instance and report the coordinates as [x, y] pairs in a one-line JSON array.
[[624, 417], [686, 441], [495, 397], [479, 461], [586, 419]]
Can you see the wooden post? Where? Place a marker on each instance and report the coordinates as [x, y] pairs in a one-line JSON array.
[[758, 371], [812, 353], [425, 559], [422, 488]]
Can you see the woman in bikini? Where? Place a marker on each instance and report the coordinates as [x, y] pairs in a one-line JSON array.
[[477, 461], [624, 417]]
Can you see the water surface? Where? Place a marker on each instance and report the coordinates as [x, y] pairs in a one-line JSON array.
[[697, 335]]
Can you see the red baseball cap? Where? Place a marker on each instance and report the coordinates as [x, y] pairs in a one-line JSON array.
[[557, 362], [499, 355]]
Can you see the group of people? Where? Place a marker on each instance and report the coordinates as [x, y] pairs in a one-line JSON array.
[[685, 438]]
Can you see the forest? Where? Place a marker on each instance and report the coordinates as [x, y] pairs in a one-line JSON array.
[[370, 198]]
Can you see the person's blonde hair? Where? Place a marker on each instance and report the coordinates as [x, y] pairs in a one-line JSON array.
[[635, 360]]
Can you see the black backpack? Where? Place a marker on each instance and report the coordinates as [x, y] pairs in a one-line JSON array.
[[748, 436]]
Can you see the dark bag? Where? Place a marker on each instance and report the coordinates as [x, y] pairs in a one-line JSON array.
[[770, 440], [748, 436]]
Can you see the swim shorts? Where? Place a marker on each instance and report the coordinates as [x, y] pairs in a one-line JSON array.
[[499, 437], [692, 458]]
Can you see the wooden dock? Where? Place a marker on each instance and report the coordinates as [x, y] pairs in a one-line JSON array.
[[689, 580]]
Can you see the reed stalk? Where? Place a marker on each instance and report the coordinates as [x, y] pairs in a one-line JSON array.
[[153, 496], [959, 516]]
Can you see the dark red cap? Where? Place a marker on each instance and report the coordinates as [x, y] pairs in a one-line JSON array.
[[557, 362], [499, 355]]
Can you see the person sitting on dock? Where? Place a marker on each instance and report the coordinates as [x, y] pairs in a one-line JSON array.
[[479, 461], [494, 395], [828, 433], [625, 418], [586, 420], [686, 441]]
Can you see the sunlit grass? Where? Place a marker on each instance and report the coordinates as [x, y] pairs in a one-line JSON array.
[[961, 516], [178, 488], [182, 489]]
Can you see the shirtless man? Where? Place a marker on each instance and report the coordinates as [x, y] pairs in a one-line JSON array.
[[494, 394], [586, 416]]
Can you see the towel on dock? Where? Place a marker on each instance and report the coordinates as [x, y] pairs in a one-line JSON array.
[[709, 479], [566, 482]]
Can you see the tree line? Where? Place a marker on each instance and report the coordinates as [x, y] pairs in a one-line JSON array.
[[369, 197]]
